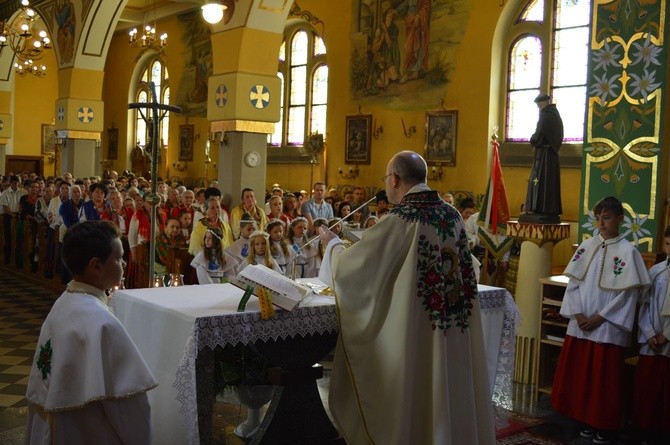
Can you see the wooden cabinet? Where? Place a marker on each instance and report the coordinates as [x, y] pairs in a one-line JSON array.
[[551, 332]]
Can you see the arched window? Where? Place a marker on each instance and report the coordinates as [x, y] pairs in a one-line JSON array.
[[304, 84], [547, 52], [156, 72]]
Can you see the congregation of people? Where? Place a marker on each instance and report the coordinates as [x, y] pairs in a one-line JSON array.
[[193, 226], [287, 235]]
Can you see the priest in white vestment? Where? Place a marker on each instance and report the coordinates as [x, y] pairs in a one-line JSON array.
[[409, 365]]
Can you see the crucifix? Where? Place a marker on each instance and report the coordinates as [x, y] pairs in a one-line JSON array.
[[153, 120]]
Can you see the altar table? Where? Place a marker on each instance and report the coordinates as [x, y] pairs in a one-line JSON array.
[[170, 326]]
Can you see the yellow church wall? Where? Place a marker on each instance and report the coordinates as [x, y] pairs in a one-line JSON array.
[[119, 68], [5, 101], [468, 92], [79, 83], [34, 105]]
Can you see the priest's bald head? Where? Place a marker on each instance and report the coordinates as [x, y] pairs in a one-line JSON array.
[[405, 170]]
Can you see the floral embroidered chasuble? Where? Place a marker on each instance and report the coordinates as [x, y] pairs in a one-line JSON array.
[[409, 365]]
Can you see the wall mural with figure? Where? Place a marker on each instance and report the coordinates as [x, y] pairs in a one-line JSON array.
[[192, 92], [64, 17], [403, 51]]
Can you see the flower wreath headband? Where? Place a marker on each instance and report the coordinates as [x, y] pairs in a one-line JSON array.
[[297, 220], [216, 235], [273, 223], [259, 233]]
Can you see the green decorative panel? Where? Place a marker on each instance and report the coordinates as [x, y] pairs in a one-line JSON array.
[[623, 140]]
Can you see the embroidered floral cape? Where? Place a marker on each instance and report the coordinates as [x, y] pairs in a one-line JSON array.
[[623, 266], [83, 355], [409, 365]]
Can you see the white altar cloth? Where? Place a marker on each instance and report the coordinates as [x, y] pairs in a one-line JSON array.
[[170, 325]]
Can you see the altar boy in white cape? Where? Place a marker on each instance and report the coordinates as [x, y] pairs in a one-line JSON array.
[[409, 365], [88, 382]]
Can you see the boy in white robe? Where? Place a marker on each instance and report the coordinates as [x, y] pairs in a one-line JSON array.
[[607, 276], [88, 381], [651, 392], [409, 365]]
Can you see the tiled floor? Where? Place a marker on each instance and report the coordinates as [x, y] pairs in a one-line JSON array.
[[24, 304], [23, 307]]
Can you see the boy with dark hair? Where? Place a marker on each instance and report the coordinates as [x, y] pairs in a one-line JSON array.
[[607, 275], [88, 381]]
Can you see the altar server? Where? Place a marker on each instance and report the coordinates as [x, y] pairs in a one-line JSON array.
[[651, 394], [88, 381], [607, 276]]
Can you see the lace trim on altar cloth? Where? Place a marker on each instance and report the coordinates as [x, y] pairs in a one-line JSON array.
[[502, 301], [185, 391], [245, 328]]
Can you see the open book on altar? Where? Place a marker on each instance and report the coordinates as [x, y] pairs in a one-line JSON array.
[[285, 292]]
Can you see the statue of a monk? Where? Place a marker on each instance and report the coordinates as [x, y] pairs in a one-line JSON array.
[[543, 198]]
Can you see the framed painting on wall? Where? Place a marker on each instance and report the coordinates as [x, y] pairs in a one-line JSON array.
[[441, 136], [48, 139], [186, 142], [112, 143], [358, 139]]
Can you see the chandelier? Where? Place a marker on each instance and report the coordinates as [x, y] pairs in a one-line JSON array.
[[148, 40], [27, 44]]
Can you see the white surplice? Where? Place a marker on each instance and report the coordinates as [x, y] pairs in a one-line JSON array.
[[399, 376], [88, 381], [606, 277], [650, 320]]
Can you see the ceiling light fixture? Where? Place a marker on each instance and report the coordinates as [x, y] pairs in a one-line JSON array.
[[149, 38], [212, 11], [28, 44]]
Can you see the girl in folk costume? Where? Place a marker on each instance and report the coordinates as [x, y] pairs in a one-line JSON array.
[[276, 210], [651, 393], [239, 250], [607, 275], [306, 260], [210, 263], [260, 252], [278, 247]]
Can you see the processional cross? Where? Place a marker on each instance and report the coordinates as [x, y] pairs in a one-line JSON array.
[[158, 112]]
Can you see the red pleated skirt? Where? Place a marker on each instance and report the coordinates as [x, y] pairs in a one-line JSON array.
[[651, 395], [588, 383]]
